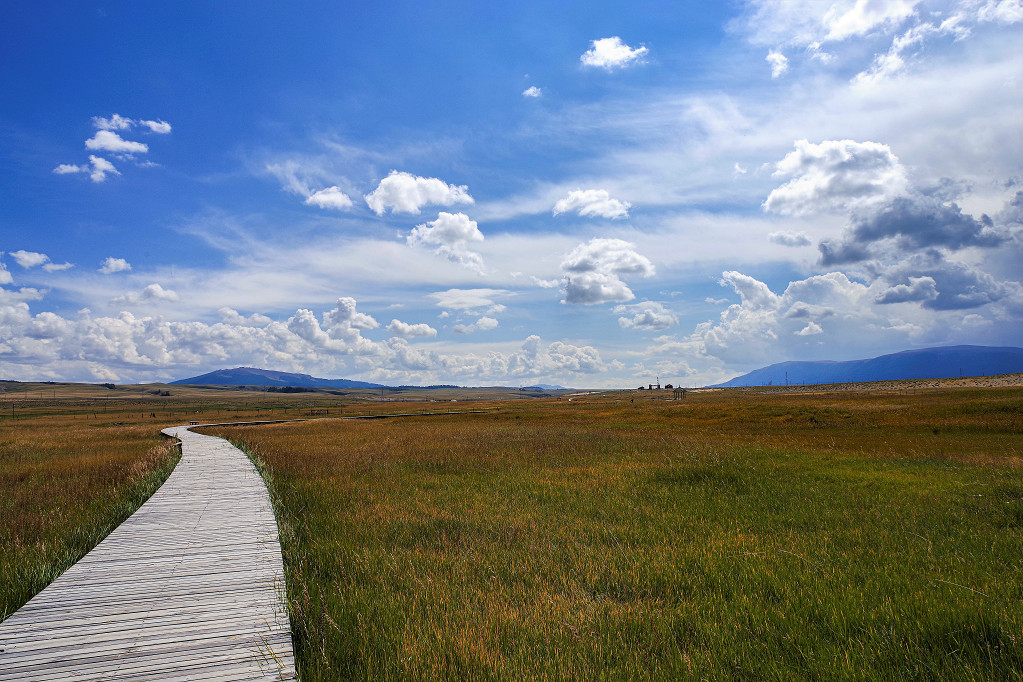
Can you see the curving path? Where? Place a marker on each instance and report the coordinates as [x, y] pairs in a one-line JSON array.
[[190, 587]]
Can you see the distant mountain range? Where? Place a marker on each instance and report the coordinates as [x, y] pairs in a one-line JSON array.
[[924, 363], [268, 377], [251, 376]]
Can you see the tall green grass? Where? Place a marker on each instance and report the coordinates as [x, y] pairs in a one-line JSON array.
[[729, 536]]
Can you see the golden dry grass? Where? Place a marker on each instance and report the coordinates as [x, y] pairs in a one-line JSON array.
[[736, 534], [64, 485], [77, 459], [731, 535]]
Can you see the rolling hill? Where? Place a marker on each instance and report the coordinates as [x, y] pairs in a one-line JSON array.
[[251, 376], [923, 363]]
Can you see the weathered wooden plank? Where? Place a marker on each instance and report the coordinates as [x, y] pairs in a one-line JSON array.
[[156, 652], [101, 634], [52, 617], [100, 627], [215, 575], [200, 663], [190, 587]]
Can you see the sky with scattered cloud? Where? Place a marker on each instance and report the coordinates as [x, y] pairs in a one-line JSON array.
[[585, 194]]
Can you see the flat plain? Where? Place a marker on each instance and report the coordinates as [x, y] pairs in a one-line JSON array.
[[78, 459], [811, 533], [829, 534]]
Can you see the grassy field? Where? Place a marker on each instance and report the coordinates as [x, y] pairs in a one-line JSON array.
[[747, 534], [77, 459], [732, 535], [64, 485]]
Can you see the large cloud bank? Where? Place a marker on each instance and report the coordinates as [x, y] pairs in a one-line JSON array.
[[128, 347]]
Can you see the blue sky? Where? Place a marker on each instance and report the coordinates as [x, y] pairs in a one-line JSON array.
[[589, 194]]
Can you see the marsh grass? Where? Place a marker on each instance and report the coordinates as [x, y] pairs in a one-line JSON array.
[[64, 485], [78, 459], [728, 536]]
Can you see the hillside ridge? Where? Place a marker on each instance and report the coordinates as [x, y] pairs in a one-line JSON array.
[[253, 376], [940, 362]]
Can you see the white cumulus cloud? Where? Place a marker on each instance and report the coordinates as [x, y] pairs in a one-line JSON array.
[[611, 53], [161, 127], [449, 236], [29, 259], [534, 359], [100, 168], [344, 315], [403, 192], [109, 141], [111, 265], [115, 122], [811, 329], [647, 316], [155, 291], [836, 175], [481, 325], [152, 292], [889, 309], [533, 92], [118, 122], [593, 271], [132, 347], [65, 168], [405, 330], [593, 203], [330, 197], [340, 333], [232, 317]]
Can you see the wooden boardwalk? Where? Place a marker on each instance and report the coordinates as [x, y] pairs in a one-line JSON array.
[[191, 587]]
